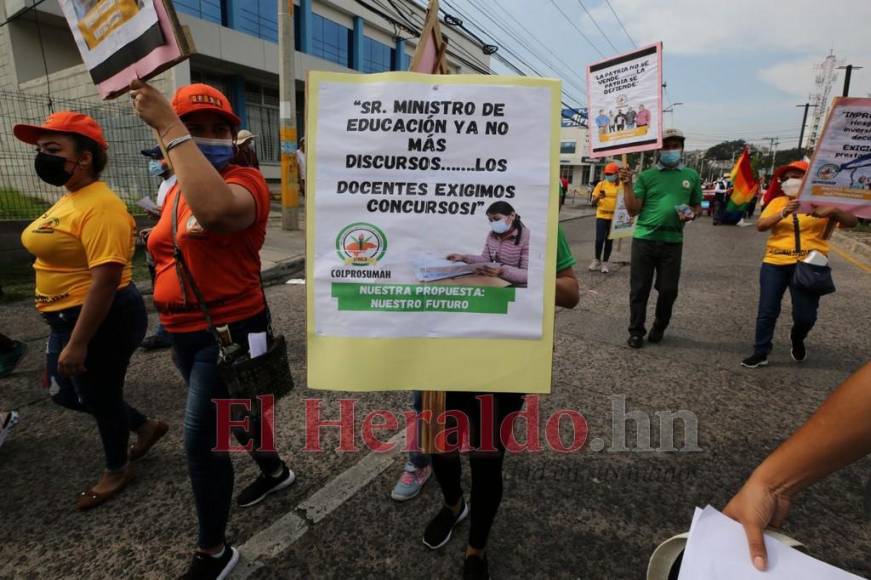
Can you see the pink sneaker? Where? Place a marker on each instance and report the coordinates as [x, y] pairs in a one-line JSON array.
[[411, 482]]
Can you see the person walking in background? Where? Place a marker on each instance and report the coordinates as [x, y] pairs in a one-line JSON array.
[[486, 464], [418, 468], [721, 188], [658, 199], [789, 229], [83, 247], [300, 162], [216, 216], [246, 154], [157, 167], [605, 199]]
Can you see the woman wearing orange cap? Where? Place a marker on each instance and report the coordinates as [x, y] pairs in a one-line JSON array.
[[83, 247], [220, 212], [782, 253], [605, 200]]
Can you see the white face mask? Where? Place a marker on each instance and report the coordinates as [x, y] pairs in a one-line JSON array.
[[499, 227], [790, 186]]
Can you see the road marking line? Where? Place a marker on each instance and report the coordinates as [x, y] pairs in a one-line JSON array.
[[290, 527], [855, 261]]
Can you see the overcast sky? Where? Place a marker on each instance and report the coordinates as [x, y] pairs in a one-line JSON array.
[[738, 66]]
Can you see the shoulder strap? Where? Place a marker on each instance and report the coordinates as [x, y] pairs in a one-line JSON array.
[[183, 273], [796, 227]]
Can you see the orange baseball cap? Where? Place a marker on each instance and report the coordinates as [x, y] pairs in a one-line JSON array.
[[63, 122], [201, 97], [612, 168]]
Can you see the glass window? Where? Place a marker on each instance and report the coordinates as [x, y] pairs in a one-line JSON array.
[[264, 121], [568, 147], [259, 18], [206, 9], [377, 57], [330, 40], [212, 80]]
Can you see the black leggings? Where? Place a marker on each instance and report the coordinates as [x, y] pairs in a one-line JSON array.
[[603, 243], [486, 465]]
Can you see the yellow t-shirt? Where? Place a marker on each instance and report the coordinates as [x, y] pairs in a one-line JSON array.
[[606, 207], [780, 250], [84, 229]]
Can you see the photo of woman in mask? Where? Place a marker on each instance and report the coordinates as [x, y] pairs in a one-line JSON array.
[[782, 219], [506, 248]]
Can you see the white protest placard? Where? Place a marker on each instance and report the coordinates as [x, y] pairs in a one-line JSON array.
[[840, 171], [625, 102], [622, 224], [122, 40], [405, 170]]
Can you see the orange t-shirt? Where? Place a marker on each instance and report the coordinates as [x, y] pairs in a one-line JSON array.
[[225, 267]]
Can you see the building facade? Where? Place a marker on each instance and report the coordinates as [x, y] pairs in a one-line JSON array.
[[575, 166]]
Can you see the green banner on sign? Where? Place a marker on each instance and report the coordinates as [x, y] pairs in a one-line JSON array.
[[422, 298]]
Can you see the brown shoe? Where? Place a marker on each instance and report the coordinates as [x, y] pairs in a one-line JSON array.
[[150, 433], [90, 499]]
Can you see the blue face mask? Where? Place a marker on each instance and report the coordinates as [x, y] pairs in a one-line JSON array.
[[670, 157], [219, 152], [155, 167], [499, 226], [611, 178]]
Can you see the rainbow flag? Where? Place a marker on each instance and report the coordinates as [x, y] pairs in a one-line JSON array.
[[744, 184]]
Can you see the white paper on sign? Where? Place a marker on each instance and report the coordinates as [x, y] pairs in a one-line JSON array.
[[717, 550], [256, 344]]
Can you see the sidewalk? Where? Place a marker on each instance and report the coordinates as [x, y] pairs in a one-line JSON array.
[[283, 252]]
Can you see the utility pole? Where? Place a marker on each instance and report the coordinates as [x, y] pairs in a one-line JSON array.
[[849, 68], [773, 141], [287, 131], [803, 123]]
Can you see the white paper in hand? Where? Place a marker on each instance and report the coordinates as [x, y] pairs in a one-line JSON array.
[[717, 550], [256, 344], [148, 205]]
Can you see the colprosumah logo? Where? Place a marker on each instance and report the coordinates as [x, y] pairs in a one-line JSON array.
[[524, 431], [361, 244]]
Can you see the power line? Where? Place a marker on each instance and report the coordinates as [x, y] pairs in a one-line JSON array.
[[506, 29], [581, 32], [614, 12], [599, 28], [507, 49]]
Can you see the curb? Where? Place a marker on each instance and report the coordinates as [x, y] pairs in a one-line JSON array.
[[276, 274], [855, 247]]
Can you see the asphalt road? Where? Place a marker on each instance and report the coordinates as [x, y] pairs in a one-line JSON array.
[[590, 514]]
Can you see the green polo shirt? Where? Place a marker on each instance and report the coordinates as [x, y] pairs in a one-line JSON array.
[[660, 189], [564, 258]]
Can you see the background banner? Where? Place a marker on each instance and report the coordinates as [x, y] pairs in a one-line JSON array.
[[403, 168], [625, 102], [840, 171]]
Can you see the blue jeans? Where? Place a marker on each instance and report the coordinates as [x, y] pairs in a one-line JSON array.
[[418, 459], [100, 390], [603, 243], [773, 282], [211, 472]]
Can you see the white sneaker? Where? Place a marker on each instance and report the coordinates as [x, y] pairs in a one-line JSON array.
[[7, 424], [605, 269], [744, 223], [594, 265]]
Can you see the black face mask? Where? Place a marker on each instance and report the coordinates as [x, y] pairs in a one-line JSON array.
[[52, 169]]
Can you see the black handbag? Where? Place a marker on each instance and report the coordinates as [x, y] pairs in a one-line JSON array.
[[245, 377], [810, 277]]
